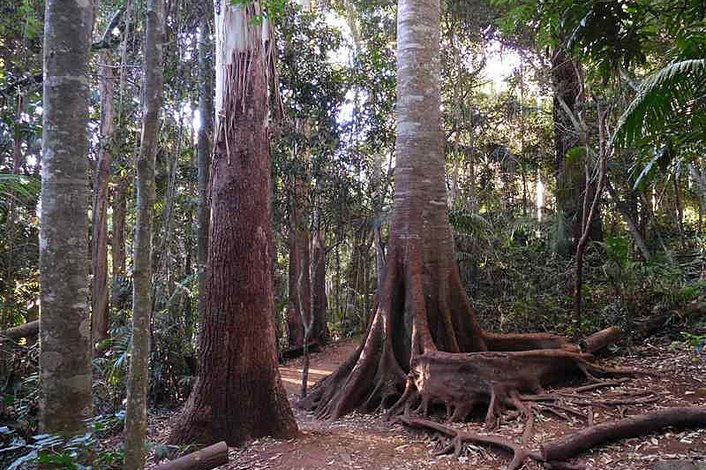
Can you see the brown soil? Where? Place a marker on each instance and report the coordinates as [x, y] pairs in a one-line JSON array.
[[359, 441]]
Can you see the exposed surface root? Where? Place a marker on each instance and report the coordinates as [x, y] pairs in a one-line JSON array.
[[577, 442], [494, 380], [554, 454], [458, 438]]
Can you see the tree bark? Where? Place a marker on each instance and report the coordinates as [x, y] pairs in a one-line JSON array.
[[422, 306], [299, 311], [600, 340], [65, 333], [136, 418], [118, 238], [204, 152], [99, 318], [319, 300], [238, 394]]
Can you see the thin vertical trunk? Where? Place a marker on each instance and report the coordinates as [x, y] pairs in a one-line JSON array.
[[699, 177], [204, 154], [319, 300], [591, 212], [17, 160], [299, 288], [238, 394], [471, 183], [569, 133], [678, 207], [65, 333], [118, 238], [136, 418], [300, 313], [629, 221], [99, 319], [119, 196]]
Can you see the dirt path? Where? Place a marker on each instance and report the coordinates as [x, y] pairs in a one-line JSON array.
[[361, 441], [355, 442]]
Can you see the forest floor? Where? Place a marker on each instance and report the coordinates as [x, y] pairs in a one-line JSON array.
[[368, 441]]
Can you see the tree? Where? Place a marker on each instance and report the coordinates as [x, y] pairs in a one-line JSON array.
[[567, 81], [99, 317], [204, 149], [136, 417], [423, 315], [238, 394], [65, 333]]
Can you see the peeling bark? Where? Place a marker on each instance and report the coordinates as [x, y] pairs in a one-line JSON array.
[[238, 394], [65, 333], [136, 417]]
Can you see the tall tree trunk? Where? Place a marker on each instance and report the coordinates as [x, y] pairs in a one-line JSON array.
[[204, 151], [65, 333], [238, 394], [99, 319], [591, 212], [569, 133], [299, 311], [319, 300], [119, 196], [136, 418], [422, 306]]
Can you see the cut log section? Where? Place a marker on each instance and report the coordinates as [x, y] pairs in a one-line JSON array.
[[26, 330], [600, 340], [205, 459]]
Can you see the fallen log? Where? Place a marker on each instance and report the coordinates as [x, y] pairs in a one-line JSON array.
[[572, 444], [205, 459], [600, 340], [26, 330]]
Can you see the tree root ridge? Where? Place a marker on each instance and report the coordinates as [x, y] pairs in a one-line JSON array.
[[495, 380], [458, 438], [555, 453]]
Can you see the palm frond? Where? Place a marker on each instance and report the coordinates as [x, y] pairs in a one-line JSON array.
[[673, 93], [17, 188]]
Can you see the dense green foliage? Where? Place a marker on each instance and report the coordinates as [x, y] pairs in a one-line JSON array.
[[333, 140]]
